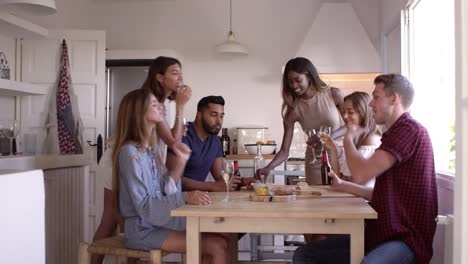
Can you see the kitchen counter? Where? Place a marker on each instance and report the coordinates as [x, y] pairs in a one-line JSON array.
[[247, 157], [41, 162], [23, 217]]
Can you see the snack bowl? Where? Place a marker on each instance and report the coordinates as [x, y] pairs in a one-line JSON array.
[[261, 189], [267, 149]]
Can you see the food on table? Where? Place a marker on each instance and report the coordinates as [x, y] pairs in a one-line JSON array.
[[303, 188], [303, 185], [260, 143], [283, 190], [261, 190], [270, 142]]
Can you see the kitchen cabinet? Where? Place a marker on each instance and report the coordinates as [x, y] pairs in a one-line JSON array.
[[14, 88], [65, 181], [22, 228]]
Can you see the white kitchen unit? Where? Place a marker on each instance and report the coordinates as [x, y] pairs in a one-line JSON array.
[[14, 88], [23, 217], [65, 183]]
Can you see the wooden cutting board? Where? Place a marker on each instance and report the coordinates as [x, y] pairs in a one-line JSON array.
[[320, 191], [274, 198]]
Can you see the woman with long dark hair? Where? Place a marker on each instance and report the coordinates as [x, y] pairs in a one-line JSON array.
[[165, 81], [311, 102]]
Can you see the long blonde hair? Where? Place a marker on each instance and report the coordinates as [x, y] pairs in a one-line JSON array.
[[360, 102], [132, 128], [302, 66]]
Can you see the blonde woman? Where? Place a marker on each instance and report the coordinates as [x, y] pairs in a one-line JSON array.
[[140, 180]]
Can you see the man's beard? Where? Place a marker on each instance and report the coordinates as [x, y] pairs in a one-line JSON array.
[[210, 130]]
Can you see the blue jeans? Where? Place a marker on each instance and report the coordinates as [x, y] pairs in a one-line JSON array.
[[335, 250]]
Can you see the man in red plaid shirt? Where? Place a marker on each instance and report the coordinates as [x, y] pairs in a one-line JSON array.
[[405, 191]]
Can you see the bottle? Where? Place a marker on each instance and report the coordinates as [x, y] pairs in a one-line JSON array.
[[234, 147], [237, 173], [258, 160], [325, 169], [225, 142]]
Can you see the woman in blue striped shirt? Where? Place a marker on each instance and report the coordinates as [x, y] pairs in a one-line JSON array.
[[145, 190]]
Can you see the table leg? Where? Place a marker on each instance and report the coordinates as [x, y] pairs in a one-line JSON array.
[[233, 248], [193, 240], [357, 243]]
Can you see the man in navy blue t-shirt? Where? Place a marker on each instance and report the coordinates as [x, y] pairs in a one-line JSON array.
[[207, 154]]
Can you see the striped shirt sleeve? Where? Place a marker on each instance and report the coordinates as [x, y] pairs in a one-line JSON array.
[[139, 175]]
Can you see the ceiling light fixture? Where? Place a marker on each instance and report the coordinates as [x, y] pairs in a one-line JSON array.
[[231, 45], [29, 7]]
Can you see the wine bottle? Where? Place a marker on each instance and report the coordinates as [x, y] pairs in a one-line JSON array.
[[325, 169], [234, 147], [237, 173], [225, 142]]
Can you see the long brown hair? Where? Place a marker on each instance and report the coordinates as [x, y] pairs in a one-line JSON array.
[[303, 66], [159, 65], [131, 128], [360, 102]]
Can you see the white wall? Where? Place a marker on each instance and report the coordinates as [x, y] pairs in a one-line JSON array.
[[273, 30], [390, 13], [390, 30], [342, 45], [368, 12]]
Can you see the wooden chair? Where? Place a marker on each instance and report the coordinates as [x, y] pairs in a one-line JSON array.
[[115, 246]]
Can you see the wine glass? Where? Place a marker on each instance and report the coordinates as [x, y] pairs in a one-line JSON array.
[[10, 129], [310, 137], [184, 126], [324, 130], [227, 173]]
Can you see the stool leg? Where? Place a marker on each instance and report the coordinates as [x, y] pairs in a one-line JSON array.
[[155, 257], [83, 256]]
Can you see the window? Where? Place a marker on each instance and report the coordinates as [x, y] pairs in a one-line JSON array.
[[429, 47]]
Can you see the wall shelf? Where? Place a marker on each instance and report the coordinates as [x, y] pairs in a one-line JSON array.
[[13, 26], [14, 88]]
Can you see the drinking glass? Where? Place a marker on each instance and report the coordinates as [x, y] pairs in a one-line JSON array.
[[310, 137], [10, 129], [184, 126], [227, 172], [322, 131]]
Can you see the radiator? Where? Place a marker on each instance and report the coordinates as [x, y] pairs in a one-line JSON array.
[[66, 212], [447, 220]]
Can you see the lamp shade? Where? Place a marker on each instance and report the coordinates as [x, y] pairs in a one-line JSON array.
[[232, 46], [29, 7]]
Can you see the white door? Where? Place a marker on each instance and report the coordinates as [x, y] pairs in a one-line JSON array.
[[40, 63]]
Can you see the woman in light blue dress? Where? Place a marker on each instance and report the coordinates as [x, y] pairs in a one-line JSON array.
[[145, 191]]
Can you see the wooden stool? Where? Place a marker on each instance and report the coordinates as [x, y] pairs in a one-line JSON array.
[[115, 246]]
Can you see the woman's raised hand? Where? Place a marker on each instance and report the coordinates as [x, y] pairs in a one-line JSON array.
[[183, 95], [197, 198], [181, 150]]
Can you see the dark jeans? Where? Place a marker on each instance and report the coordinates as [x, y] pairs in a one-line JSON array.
[[335, 250]]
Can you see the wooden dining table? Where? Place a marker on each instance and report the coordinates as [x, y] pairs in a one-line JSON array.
[[320, 215]]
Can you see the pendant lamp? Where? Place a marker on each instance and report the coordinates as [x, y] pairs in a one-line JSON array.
[[29, 7], [231, 45]]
